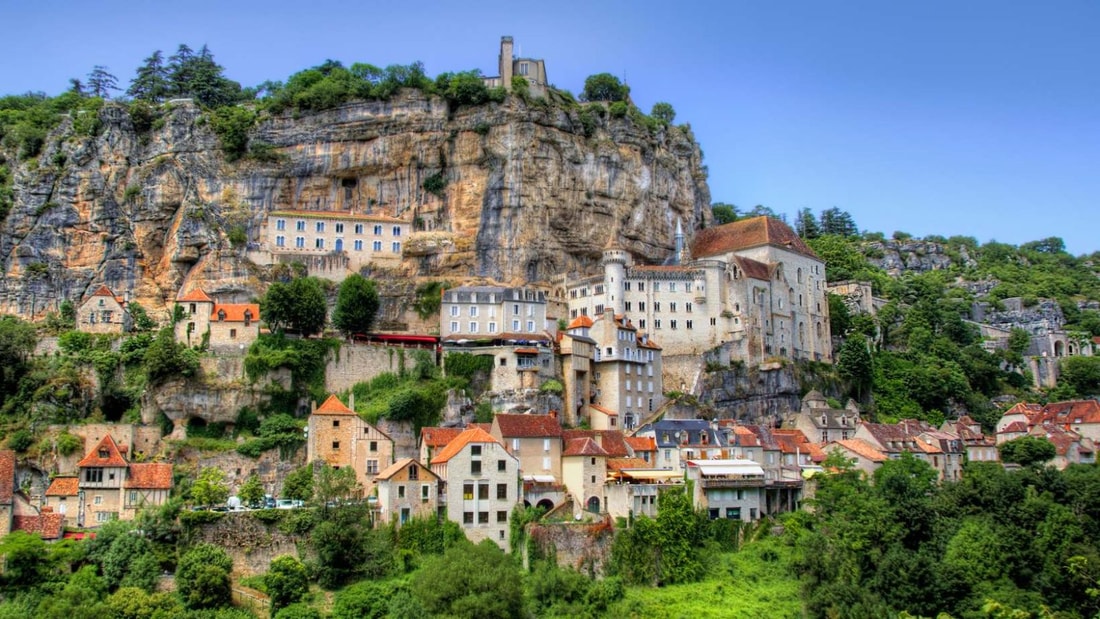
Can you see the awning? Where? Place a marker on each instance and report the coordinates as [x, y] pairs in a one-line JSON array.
[[540, 479], [651, 474], [527, 351]]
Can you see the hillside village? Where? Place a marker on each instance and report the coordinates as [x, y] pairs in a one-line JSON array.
[[378, 359]]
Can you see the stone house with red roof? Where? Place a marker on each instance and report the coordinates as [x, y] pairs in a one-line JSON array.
[[407, 489], [232, 325], [584, 471], [627, 373], [103, 312], [338, 437], [434, 439], [865, 456], [109, 487], [575, 351], [481, 485], [534, 439]]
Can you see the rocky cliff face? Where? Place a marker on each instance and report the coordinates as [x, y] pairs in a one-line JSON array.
[[527, 195], [913, 256]]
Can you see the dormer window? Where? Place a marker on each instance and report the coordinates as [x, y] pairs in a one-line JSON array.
[[103, 454], [247, 317], [221, 315], [824, 420]]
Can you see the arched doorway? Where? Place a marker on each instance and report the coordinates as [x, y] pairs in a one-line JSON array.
[[545, 505], [1059, 349], [593, 505], [339, 244]]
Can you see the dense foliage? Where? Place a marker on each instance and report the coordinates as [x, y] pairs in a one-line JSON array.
[[356, 305]]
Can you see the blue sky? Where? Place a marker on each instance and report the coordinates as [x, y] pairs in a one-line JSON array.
[[979, 118]]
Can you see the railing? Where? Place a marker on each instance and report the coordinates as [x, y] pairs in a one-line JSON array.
[[733, 483]]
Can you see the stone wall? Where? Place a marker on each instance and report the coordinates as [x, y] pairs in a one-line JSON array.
[[585, 547], [270, 466], [359, 361], [251, 543], [754, 396]]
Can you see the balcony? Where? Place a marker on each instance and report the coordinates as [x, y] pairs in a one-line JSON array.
[[733, 482]]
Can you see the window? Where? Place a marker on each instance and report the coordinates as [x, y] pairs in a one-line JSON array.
[[656, 286], [300, 242], [320, 226], [626, 286], [93, 476], [280, 241], [656, 324], [641, 286], [641, 306], [372, 467], [523, 68], [339, 228], [483, 517], [483, 492], [425, 493], [546, 463], [359, 228], [373, 444], [232, 334], [473, 311], [627, 306], [280, 224], [396, 247], [133, 496], [414, 473], [475, 467], [502, 492], [467, 517], [397, 230], [376, 246], [454, 310], [401, 492], [672, 324], [502, 516], [378, 231], [515, 325], [502, 465], [530, 326], [404, 514], [656, 306], [475, 450], [104, 516], [359, 245], [336, 423], [492, 327], [319, 243], [672, 307], [468, 491], [300, 226], [98, 500], [473, 327]]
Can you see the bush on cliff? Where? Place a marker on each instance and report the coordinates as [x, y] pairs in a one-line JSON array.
[[202, 578]]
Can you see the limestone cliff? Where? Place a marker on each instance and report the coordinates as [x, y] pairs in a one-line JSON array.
[[527, 195]]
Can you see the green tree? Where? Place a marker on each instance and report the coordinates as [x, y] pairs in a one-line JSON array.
[[17, 341], [335, 484], [356, 305], [134, 603], [663, 112], [298, 306], [129, 561], [210, 487], [25, 563], [854, 364], [100, 82], [806, 224], [301, 610], [202, 577], [166, 358], [723, 213], [837, 222], [363, 600], [1082, 373], [478, 582], [1027, 451], [151, 80], [678, 538], [232, 125], [142, 322], [286, 581], [604, 87], [251, 492], [298, 484]]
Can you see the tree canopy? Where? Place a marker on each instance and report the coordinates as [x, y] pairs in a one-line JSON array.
[[356, 305], [604, 87], [298, 306]]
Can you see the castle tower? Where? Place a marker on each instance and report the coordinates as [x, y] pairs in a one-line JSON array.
[[615, 260], [506, 62]]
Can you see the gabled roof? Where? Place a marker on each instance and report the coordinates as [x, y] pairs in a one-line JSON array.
[[438, 437], [527, 426], [641, 443], [111, 458], [1015, 426], [583, 446], [104, 291], [403, 463], [612, 441], [861, 448], [150, 476], [618, 464], [795, 442], [605, 411], [469, 435], [747, 233], [7, 476], [64, 486], [333, 406], [581, 321], [48, 525], [754, 269], [234, 312], [196, 295]]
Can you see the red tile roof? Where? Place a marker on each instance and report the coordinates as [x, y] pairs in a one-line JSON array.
[[333, 406], [234, 312], [584, 446], [104, 291], [612, 441], [48, 525], [579, 321], [1015, 426], [747, 233], [196, 295], [861, 448], [438, 437], [754, 268], [469, 435], [606, 411], [527, 426], [112, 456], [641, 443], [150, 476], [392, 469], [618, 464], [7, 476], [64, 486]]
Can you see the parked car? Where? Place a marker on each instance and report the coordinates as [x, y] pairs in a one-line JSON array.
[[288, 503]]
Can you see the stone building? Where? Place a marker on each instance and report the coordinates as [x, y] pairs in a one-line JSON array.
[[751, 286], [627, 371], [103, 312], [534, 439], [584, 471], [731, 489], [576, 349], [339, 438], [823, 424], [228, 324], [407, 489], [482, 485], [109, 487], [508, 66], [334, 243]]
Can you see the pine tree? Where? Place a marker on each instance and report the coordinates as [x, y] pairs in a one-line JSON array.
[[151, 82], [179, 71], [838, 222], [806, 225], [101, 82]]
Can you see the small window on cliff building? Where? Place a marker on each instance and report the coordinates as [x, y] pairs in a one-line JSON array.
[[221, 315], [232, 334]]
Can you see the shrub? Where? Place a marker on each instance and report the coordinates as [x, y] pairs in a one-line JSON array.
[[21, 440], [203, 577], [232, 124], [286, 581], [68, 444], [132, 193], [435, 184], [618, 109]]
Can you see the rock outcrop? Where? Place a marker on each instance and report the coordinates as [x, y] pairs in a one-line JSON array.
[[898, 257], [526, 194]]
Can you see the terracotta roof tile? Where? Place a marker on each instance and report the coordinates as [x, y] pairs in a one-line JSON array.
[[579, 321], [112, 456], [234, 312], [48, 525], [196, 295], [641, 443], [64, 486], [527, 426], [1015, 426], [150, 476], [392, 469], [600, 409], [7, 476], [438, 437], [333, 406], [754, 268], [612, 441], [861, 448], [618, 464], [583, 446], [747, 233], [470, 435]]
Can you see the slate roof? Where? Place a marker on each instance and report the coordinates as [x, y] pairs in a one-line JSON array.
[[612, 441], [469, 435], [393, 469], [438, 437], [527, 426], [196, 295], [234, 312], [7, 477], [113, 457], [64, 486], [333, 406], [747, 233], [584, 446], [691, 432], [150, 476]]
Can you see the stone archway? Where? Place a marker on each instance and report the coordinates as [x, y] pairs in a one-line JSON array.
[[546, 505], [1059, 349], [593, 505]]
